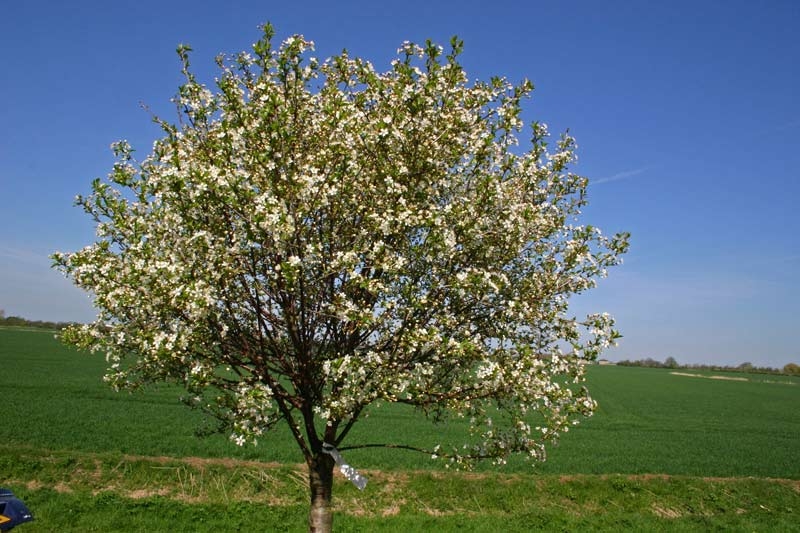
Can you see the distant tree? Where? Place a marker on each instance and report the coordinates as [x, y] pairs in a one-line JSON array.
[[670, 362], [791, 368], [314, 237], [15, 321]]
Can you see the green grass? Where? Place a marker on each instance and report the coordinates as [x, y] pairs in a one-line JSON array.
[[111, 492], [652, 421], [80, 512], [663, 452], [54, 398], [649, 420]]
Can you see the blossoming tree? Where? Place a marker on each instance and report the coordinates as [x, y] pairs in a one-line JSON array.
[[313, 237]]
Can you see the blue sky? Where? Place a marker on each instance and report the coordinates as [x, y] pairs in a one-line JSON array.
[[686, 116]]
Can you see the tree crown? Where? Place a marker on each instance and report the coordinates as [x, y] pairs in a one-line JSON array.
[[312, 237]]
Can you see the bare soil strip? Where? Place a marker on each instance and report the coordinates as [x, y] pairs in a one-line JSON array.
[[732, 378], [726, 378]]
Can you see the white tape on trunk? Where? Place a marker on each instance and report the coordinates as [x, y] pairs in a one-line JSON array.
[[349, 472]]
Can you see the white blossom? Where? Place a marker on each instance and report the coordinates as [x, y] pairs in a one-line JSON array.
[[315, 237]]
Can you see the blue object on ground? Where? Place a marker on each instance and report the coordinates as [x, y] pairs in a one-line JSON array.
[[12, 511]]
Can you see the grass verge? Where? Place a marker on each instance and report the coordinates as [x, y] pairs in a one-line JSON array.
[[114, 492]]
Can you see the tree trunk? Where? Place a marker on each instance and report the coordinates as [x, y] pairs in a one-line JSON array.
[[320, 481]]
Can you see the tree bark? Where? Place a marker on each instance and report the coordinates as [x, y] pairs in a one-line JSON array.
[[320, 481]]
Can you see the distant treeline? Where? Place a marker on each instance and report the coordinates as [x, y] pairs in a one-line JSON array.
[[670, 362], [23, 322]]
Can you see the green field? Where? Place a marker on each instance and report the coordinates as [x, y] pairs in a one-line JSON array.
[[664, 451]]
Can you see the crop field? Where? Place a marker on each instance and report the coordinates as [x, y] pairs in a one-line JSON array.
[[685, 451]]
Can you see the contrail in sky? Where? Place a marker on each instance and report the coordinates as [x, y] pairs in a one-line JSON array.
[[619, 176]]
